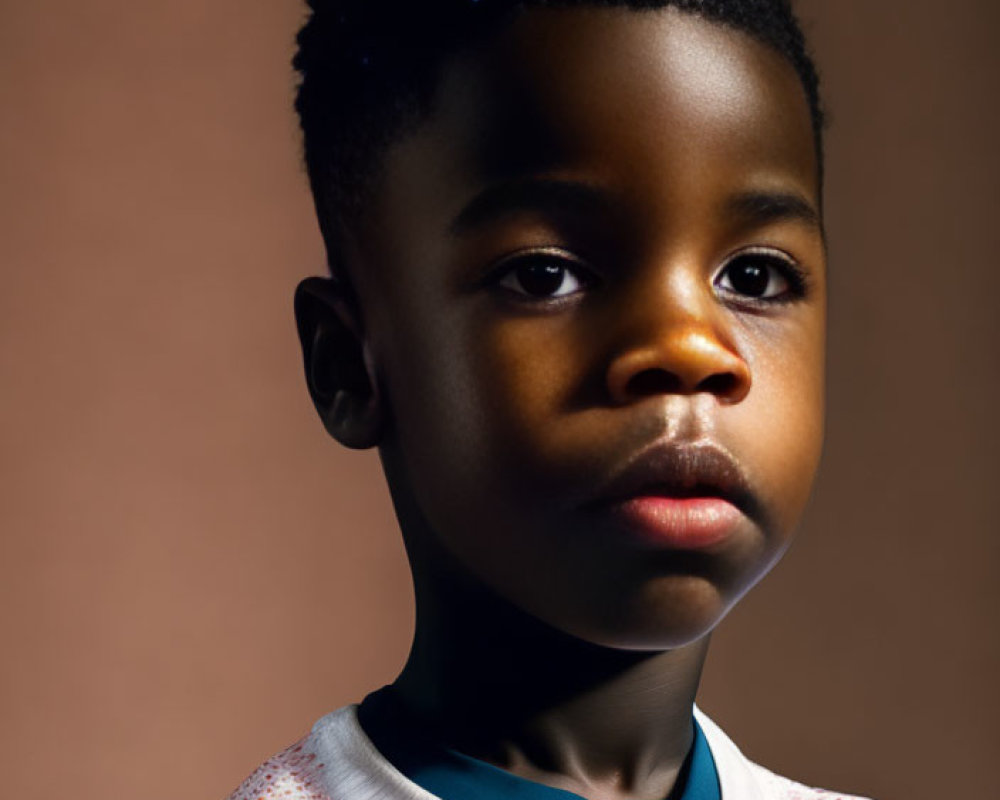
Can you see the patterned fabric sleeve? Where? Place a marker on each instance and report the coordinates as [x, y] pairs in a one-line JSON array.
[[292, 774]]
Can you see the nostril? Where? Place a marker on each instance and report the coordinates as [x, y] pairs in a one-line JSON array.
[[653, 381], [661, 381], [722, 384]]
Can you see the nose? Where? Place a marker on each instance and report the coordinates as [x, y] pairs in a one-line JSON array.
[[678, 352]]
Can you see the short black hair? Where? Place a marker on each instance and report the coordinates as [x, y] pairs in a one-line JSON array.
[[369, 69]]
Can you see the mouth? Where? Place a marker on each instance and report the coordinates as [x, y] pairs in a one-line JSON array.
[[682, 495]]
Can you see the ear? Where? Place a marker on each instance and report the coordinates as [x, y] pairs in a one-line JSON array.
[[339, 370]]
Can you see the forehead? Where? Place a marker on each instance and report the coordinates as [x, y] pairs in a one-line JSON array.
[[655, 105], [565, 77]]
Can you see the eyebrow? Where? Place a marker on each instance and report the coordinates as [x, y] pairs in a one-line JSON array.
[[758, 208], [530, 194]]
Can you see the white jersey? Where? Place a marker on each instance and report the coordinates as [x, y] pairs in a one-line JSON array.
[[337, 761]]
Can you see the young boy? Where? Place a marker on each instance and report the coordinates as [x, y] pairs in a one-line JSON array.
[[577, 302]]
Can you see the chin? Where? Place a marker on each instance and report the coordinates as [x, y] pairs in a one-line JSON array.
[[666, 614]]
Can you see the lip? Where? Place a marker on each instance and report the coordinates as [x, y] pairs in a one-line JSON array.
[[682, 495], [687, 523]]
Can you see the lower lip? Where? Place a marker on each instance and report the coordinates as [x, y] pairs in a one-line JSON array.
[[685, 523]]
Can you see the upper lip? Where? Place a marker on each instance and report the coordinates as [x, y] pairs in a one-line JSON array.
[[681, 469]]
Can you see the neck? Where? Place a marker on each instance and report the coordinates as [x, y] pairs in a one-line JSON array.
[[499, 685]]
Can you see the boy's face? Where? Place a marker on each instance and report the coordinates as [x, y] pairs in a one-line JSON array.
[[593, 291]]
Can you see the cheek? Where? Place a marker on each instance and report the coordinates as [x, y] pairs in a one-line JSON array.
[[537, 408], [468, 401], [513, 373], [522, 372], [781, 422], [490, 435]]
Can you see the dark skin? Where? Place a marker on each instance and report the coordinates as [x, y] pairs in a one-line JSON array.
[[605, 235]]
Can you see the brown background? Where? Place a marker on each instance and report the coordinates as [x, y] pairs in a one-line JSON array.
[[191, 572]]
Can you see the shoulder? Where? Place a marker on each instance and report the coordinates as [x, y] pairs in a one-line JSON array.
[[742, 779], [336, 761], [292, 774], [780, 788]]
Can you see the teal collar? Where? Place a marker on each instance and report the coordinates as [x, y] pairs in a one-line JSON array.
[[451, 775]]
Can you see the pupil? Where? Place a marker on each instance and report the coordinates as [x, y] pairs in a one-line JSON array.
[[749, 277], [540, 278]]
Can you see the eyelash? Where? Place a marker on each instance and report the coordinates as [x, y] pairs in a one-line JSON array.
[[788, 270]]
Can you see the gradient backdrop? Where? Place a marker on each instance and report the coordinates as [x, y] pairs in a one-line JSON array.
[[191, 572]]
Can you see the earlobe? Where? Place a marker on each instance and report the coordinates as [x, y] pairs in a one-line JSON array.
[[340, 373]]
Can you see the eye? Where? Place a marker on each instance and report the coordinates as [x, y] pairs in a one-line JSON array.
[[761, 274], [543, 275]]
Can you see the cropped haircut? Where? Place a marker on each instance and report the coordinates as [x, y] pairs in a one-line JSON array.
[[369, 69]]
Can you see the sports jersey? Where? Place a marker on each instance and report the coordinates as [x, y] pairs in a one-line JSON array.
[[338, 760]]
